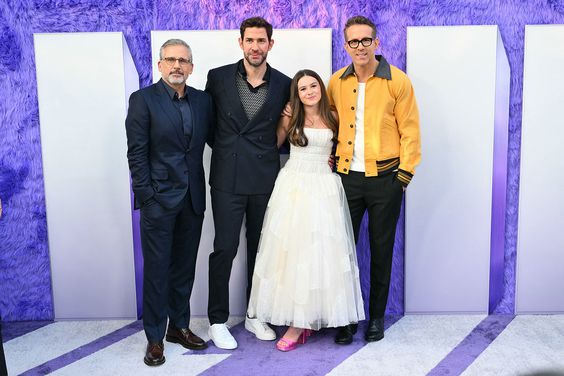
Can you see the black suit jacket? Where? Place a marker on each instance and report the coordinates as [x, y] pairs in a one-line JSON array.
[[245, 157], [163, 165]]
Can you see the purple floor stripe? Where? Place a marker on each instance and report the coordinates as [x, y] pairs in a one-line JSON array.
[[472, 346], [85, 350], [14, 329], [317, 357]]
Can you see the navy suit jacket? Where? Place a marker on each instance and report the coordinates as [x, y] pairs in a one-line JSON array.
[[163, 165], [245, 157]]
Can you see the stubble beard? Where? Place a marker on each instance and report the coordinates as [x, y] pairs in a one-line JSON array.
[[253, 63]]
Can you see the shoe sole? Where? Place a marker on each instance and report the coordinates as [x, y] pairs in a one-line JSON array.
[[190, 347], [374, 339], [286, 350], [153, 364], [256, 335], [344, 342]]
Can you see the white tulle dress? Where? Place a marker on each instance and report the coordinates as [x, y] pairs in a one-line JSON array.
[[306, 271]]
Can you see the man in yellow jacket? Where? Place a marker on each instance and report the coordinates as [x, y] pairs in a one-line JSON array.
[[378, 149]]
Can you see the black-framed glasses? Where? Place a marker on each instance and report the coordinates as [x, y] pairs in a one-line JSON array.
[[354, 43], [170, 61]]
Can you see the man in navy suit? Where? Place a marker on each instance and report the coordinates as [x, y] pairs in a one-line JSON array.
[[248, 97], [167, 127]]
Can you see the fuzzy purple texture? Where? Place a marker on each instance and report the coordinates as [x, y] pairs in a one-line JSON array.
[[24, 258]]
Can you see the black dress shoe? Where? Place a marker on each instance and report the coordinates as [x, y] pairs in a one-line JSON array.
[[375, 330], [345, 334], [185, 337], [154, 355]]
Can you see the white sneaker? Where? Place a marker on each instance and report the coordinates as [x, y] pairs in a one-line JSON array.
[[219, 334], [260, 329]]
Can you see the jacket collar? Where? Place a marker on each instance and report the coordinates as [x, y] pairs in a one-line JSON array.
[[170, 91], [241, 70], [382, 69]]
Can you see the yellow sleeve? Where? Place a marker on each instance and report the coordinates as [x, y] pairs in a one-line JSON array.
[[407, 117], [330, 93]]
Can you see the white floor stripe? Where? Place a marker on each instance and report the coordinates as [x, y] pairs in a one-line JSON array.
[[413, 346], [125, 358], [51, 341], [532, 344]]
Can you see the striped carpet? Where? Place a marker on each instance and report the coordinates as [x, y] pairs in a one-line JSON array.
[[414, 345]]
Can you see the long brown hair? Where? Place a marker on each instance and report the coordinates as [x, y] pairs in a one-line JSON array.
[[296, 134]]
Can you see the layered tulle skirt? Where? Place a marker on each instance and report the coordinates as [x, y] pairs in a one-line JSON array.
[[306, 272]]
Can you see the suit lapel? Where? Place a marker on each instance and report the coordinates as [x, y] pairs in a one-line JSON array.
[[194, 105], [232, 93], [262, 112], [171, 111]]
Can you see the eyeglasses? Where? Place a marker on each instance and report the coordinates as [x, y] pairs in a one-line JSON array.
[[170, 61], [354, 43]]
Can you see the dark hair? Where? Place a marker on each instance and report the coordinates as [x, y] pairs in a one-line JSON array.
[[296, 134], [256, 22], [360, 20]]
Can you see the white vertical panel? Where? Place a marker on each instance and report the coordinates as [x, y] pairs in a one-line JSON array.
[[540, 249], [448, 204], [81, 82], [293, 49]]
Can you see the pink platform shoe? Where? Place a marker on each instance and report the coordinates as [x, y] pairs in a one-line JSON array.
[[285, 344]]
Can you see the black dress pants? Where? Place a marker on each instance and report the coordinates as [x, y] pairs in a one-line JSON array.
[[228, 212], [170, 240], [382, 196]]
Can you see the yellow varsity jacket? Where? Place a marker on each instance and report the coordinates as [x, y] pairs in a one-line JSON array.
[[391, 120]]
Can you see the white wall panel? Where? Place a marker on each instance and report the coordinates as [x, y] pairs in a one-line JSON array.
[[293, 49], [84, 80], [540, 249], [449, 202]]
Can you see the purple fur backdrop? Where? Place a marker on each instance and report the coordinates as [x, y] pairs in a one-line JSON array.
[[25, 281]]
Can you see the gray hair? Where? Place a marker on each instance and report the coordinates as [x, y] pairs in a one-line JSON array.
[[174, 42]]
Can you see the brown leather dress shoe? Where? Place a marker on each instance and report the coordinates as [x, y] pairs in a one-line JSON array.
[[154, 355], [185, 337]]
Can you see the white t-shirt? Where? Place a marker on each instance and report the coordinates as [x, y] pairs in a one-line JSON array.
[[357, 163]]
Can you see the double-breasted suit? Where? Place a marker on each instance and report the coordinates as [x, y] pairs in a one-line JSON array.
[[169, 187], [245, 163]]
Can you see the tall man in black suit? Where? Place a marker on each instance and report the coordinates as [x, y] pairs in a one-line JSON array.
[[167, 127], [249, 97]]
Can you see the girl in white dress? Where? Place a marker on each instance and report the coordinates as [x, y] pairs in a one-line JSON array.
[[306, 273]]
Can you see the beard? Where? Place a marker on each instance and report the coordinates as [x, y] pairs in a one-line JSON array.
[[255, 63], [176, 80]]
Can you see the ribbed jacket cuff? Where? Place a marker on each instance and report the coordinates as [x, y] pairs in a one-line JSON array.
[[404, 177]]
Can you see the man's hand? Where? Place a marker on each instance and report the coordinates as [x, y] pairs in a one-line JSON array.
[[287, 111], [331, 161]]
